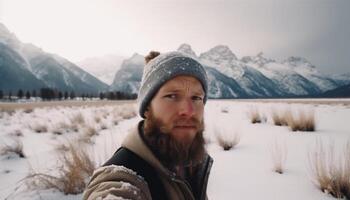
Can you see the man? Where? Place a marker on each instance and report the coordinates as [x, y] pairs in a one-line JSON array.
[[164, 157]]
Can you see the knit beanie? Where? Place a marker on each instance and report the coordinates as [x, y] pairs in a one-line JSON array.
[[163, 68]]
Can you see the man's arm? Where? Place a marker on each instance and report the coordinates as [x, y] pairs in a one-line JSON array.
[[116, 182]]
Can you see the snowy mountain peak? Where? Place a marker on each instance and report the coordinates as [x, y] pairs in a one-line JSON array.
[[186, 48], [298, 61], [219, 54], [259, 59], [8, 38], [135, 59], [3, 30], [104, 67], [31, 50]]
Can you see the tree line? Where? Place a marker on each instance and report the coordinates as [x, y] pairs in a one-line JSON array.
[[48, 94]]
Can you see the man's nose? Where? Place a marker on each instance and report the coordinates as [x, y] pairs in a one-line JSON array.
[[187, 108]]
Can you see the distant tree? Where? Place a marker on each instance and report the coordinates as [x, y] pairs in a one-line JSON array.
[[60, 95], [133, 96], [47, 93], [10, 95], [1, 94], [118, 95], [20, 94], [102, 95], [34, 93], [27, 95], [72, 95], [111, 95], [65, 95], [55, 94]]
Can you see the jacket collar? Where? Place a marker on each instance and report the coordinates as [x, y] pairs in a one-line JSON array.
[[135, 143]]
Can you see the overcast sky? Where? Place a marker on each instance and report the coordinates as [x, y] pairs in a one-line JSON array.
[[318, 30]]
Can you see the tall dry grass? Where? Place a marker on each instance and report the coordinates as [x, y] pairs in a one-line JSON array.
[[224, 110], [78, 119], [39, 127], [28, 110], [75, 167], [304, 121], [279, 157], [227, 141], [8, 110], [281, 118], [255, 116], [123, 112], [331, 173], [14, 147], [300, 121]]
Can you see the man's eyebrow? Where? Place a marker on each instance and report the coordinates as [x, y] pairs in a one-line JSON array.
[[170, 90], [167, 90], [200, 93]]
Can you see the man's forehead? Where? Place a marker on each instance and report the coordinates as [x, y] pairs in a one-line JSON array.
[[183, 82]]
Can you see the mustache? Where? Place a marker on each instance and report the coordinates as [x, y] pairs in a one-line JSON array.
[[193, 122]]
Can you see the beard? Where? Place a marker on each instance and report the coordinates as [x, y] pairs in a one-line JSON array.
[[168, 149]]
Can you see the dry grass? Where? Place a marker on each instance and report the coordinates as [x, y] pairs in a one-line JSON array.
[[74, 127], [64, 127], [103, 126], [72, 103], [227, 142], [254, 116], [39, 128], [58, 130], [87, 135], [84, 139], [15, 147], [90, 131], [281, 118], [28, 110], [124, 112], [16, 133], [72, 174], [224, 110], [8, 110], [332, 176], [97, 119], [279, 157], [301, 121], [78, 119], [305, 121]]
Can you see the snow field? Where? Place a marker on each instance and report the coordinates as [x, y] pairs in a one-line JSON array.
[[245, 171]]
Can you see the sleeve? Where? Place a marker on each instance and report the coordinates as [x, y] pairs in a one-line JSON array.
[[116, 182]]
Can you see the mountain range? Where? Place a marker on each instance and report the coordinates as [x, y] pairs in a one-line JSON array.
[[248, 77], [25, 66]]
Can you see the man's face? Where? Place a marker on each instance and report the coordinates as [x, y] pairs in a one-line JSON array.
[[178, 107]]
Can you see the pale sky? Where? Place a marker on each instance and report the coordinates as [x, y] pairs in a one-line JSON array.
[[318, 30]]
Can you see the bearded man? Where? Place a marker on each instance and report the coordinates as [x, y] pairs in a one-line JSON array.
[[164, 156]]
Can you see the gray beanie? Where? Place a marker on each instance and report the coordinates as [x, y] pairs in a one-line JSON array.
[[163, 68]]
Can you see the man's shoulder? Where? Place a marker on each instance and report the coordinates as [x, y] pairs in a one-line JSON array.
[[116, 180]]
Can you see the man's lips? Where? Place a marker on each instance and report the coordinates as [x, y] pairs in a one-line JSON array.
[[185, 127]]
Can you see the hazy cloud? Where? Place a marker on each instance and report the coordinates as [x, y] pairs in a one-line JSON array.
[[316, 29]]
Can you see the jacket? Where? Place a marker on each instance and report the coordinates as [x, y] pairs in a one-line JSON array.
[[117, 181]]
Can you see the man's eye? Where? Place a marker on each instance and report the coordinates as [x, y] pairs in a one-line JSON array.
[[197, 98], [171, 96]]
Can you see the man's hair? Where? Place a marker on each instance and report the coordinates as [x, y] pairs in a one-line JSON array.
[[151, 55]]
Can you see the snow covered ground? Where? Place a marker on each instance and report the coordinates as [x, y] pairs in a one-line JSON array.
[[244, 172]]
